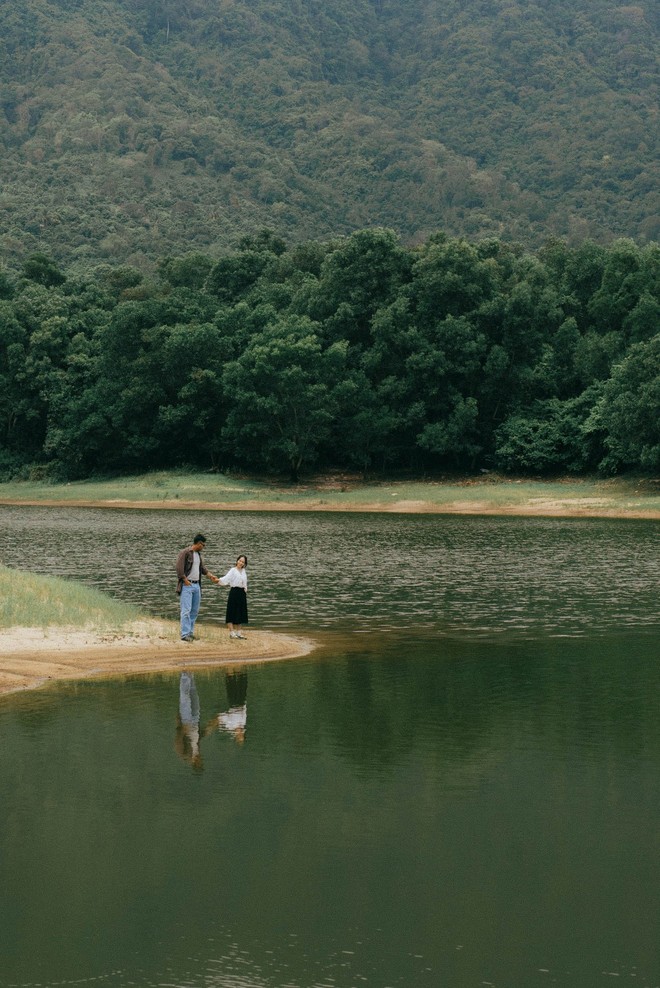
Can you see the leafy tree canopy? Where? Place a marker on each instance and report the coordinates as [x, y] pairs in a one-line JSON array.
[[354, 352]]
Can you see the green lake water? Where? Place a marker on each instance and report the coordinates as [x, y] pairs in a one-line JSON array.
[[461, 787]]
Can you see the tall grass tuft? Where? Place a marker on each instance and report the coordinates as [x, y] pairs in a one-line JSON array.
[[31, 601]]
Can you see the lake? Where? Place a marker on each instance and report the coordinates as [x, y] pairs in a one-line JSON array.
[[460, 787]]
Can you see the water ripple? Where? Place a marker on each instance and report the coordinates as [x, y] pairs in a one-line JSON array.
[[362, 572]]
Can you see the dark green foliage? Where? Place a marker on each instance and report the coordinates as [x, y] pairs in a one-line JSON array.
[[6, 285], [550, 438], [42, 270], [281, 394], [190, 271], [231, 278], [355, 353], [628, 412]]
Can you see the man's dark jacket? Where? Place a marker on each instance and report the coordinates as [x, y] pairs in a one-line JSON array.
[[184, 565]]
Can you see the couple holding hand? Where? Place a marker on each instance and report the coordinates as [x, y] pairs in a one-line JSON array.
[[189, 569]]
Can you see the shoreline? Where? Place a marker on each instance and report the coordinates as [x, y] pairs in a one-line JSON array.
[[539, 508], [31, 658]]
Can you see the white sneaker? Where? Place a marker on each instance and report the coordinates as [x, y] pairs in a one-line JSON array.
[[233, 634], [239, 635]]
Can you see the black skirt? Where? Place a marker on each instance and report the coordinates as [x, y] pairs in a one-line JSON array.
[[237, 606]]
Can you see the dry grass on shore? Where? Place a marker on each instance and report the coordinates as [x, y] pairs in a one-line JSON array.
[[485, 494], [53, 629]]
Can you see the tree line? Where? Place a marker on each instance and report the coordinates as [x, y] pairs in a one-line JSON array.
[[356, 353]]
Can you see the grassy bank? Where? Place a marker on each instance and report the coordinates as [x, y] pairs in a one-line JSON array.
[[31, 601], [53, 630], [486, 493]]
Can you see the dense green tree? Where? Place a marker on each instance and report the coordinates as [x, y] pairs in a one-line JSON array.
[[619, 289], [643, 321], [14, 415], [42, 270], [281, 394], [577, 273], [79, 428], [36, 335], [628, 413], [190, 418], [552, 437], [555, 373], [364, 425], [358, 277], [6, 286], [595, 355], [189, 271], [120, 280], [455, 437], [264, 242], [451, 278], [121, 403], [232, 277]]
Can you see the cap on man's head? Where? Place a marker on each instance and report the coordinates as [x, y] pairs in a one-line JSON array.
[[199, 538]]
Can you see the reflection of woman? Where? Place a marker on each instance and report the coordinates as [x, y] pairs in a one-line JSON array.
[[237, 612], [187, 736], [234, 720]]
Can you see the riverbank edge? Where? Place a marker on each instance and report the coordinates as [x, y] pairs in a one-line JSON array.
[[556, 508], [34, 658]]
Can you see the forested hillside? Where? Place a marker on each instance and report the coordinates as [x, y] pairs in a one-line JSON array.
[[133, 129], [357, 353]]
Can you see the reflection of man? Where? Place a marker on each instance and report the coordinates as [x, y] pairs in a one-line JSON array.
[[189, 570], [187, 726], [233, 721]]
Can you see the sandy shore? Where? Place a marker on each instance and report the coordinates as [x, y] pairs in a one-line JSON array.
[[33, 657], [541, 507]]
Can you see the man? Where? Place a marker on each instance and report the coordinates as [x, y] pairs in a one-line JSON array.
[[189, 569]]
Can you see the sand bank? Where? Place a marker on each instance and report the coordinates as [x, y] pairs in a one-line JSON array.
[[33, 657], [580, 507]]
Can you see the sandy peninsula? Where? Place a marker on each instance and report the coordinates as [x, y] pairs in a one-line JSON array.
[[35, 657]]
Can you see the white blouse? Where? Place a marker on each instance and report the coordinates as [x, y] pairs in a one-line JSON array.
[[235, 578]]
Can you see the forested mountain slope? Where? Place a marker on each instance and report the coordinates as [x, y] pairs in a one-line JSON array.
[[130, 129]]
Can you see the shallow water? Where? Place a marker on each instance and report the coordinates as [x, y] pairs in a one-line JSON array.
[[467, 794]]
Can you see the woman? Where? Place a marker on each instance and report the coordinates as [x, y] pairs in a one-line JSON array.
[[237, 612]]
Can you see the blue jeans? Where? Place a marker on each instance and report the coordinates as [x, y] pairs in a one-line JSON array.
[[188, 699], [190, 598]]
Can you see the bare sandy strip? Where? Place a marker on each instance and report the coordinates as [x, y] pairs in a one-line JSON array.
[[33, 657], [585, 507]]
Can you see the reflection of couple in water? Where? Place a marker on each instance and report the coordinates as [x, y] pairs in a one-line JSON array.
[[232, 721]]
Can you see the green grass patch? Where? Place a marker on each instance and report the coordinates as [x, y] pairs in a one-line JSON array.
[[31, 601], [498, 492], [171, 485], [490, 491]]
